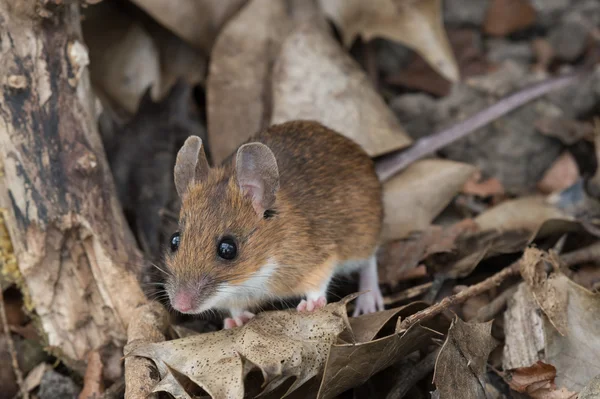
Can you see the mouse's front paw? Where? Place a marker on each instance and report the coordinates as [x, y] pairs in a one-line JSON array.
[[369, 302], [310, 304], [237, 321]]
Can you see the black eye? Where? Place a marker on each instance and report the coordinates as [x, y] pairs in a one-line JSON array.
[[227, 249], [175, 239]]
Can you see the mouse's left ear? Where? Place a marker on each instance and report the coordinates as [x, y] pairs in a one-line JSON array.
[[257, 175], [191, 165]]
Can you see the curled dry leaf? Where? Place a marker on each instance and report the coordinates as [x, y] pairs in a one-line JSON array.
[[537, 382], [197, 22], [460, 366], [535, 266], [416, 23], [238, 84], [415, 197], [315, 79], [280, 344]]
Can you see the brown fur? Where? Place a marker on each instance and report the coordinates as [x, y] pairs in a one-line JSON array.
[[328, 210]]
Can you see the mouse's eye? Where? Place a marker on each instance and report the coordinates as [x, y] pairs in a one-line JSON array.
[[175, 239], [226, 248]]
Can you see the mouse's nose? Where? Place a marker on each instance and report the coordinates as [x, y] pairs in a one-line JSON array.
[[183, 301]]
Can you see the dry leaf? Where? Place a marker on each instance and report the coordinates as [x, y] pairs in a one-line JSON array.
[[413, 198], [522, 213], [92, 381], [537, 382], [315, 79], [592, 390], [576, 202], [486, 188], [281, 344], [460, 366], [539, 269], [197, 22], [416, 23], [399, 256], [351, 365], [562, 174], [569, 131], [575, 354], [472, 248], [124, 60], [239, 77], [507, 16], [34, 378]]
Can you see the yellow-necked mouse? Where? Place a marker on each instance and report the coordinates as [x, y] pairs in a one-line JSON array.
[[295, 205]]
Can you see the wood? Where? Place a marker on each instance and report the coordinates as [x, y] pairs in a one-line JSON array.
[[76, 256]]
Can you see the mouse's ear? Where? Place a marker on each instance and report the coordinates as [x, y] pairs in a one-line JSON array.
[[257, 175], [191, 165]]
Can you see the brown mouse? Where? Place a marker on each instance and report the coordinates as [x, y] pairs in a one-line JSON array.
[[293, 206]]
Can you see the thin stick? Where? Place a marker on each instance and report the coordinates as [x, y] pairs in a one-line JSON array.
[[11, 347], [465, 294], [389, 165], [490, 310], [407, 294], [587, 254]]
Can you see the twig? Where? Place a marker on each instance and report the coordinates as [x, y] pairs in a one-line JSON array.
[[465, 294], [11, 347], [588, 254], [411, 375], [407, 294], [390, 164], [490, 310]]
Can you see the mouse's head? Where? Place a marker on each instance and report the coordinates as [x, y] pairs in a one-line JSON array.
[[222, 251]]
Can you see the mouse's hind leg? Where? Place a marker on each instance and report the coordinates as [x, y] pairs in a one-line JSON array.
[[371, 301]]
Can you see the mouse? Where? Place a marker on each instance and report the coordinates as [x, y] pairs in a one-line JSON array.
[[294, 206]]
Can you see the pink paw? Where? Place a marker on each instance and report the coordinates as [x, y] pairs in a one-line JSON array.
[[369, 302], [238, 321], [311, 304]]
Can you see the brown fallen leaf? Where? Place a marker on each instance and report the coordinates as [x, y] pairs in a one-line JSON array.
[[415, 23], [568, 131], [570, 337], [124, 59], [507, 16], [314, 78], [367, 359], [485, 188], [239, 76], [460, 366], [539, 269], [537, 381], [544, 54], [528, 212], [413, 198], [420, 75], [562, 174], [34, 378], [397, 257], [197, 22], [578, 203], [279, 344], [92, 381], [592, 390]]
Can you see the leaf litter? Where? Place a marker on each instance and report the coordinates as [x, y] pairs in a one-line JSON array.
[[471, 233]]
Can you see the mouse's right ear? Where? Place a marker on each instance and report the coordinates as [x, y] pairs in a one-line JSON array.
[[191, 165]]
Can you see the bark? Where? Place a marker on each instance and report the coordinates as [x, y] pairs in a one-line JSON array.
[[76, 256]]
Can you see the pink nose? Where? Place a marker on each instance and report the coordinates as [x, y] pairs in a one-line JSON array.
[[183, 301]]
